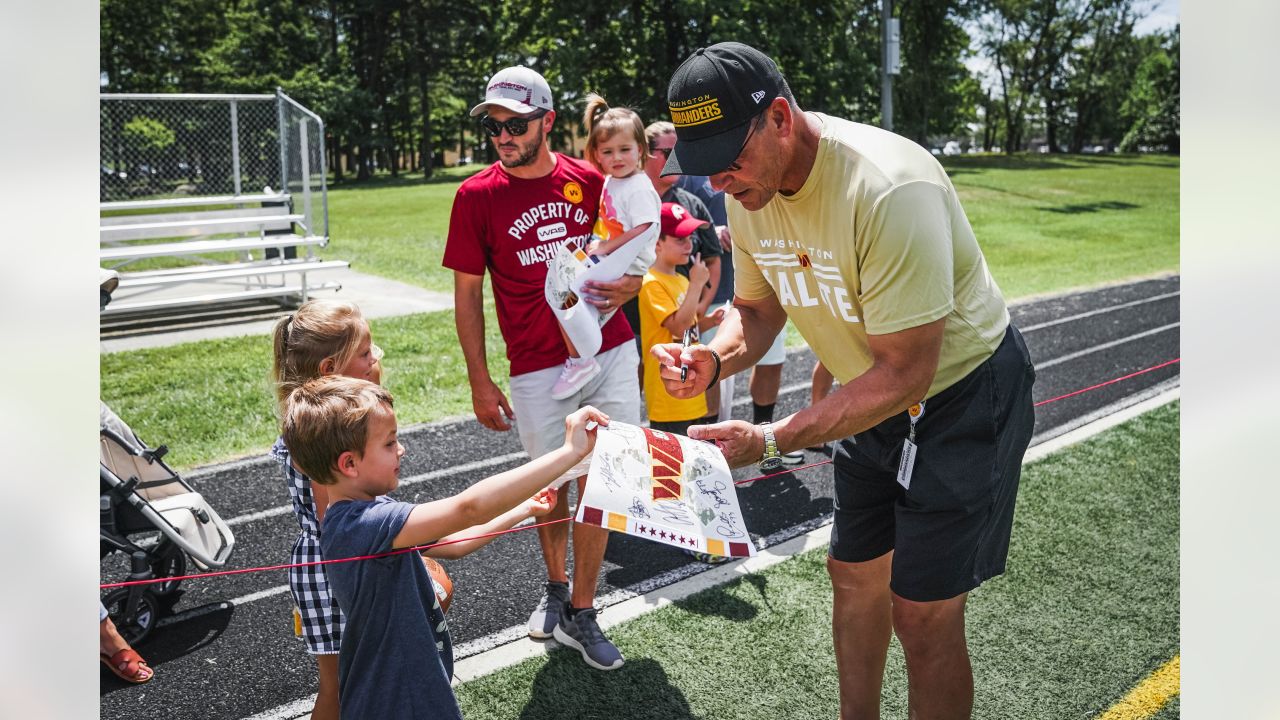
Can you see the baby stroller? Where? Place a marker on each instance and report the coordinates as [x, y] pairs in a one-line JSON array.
[[155, 519]]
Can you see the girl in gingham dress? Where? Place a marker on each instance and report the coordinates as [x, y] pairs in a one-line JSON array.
[[324, 337]]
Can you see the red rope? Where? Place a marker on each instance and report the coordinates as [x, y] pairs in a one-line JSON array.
[[1109, 382], [419, 548]]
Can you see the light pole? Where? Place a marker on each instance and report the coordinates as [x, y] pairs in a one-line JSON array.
[[890, 61]]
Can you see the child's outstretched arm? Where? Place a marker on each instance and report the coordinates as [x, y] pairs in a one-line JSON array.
[[608, 246], [489, 498], [536, 506]]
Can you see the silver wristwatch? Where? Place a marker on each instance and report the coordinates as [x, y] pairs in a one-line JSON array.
[[772, 459]]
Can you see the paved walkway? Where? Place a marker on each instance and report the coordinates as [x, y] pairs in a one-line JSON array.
[[376, 296]]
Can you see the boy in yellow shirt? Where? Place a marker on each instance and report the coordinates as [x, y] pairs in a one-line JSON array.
[[667, 311]]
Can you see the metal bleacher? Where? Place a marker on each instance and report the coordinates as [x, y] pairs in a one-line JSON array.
[[208, 249]]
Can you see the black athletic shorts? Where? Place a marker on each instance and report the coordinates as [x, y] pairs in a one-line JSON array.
[[950, 530]]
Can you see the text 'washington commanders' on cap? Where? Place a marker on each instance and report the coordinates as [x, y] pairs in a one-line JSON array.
[[713, 96], [518, 89]]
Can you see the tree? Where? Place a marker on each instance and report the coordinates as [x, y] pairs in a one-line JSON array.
[[1152, 106], [1099, 71], [155, 45], [1028, 40], [935, 94]]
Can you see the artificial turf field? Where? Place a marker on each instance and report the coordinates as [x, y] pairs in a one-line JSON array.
[[1086, 611]]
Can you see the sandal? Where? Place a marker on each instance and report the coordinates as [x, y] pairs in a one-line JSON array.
[[124, 661]]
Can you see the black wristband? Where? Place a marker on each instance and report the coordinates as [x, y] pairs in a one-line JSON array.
[[715, 376]]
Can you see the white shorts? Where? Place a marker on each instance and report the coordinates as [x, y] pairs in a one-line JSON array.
[[775, 355], [540, 420], [777, 352]]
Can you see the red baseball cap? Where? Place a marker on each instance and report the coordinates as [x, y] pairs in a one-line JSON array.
[[678, 221]]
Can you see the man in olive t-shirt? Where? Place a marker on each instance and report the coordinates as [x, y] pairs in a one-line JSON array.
[[857, 236]]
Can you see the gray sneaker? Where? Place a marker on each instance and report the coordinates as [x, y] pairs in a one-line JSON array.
[[550, 607], [582, 633]]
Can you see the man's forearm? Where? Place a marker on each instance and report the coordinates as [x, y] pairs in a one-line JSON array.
[[863, 403], [905, 364], [469, 321], [744, 337]]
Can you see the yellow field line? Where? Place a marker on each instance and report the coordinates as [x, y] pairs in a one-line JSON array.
[[1149, 696]]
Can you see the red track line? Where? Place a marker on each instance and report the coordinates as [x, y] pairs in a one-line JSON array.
[[419, 548]]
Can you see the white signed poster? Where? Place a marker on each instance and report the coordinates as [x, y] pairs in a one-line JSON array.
[[570, 268], [666, 488]]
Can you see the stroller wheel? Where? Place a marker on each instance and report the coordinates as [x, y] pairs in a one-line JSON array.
[[170, 561], [134, 629]]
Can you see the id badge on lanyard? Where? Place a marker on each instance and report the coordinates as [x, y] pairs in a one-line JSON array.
[[908, 462]]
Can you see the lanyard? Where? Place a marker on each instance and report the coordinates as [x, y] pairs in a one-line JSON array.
[[914, 413]]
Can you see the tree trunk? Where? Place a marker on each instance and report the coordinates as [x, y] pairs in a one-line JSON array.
[[423, 68], [362, 161], [1051, 121], [335, 156]]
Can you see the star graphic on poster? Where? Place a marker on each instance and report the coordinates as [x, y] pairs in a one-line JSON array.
[[662, 534]]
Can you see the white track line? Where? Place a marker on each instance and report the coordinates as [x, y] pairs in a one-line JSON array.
[[222, 605], [411, 480], [1104, 346], [743, 401], [1091, 313], [1041, 445], [523, 648]]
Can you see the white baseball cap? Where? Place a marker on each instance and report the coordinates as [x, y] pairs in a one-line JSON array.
[[518, 89]]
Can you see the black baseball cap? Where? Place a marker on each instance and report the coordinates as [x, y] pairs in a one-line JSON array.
[[713, 96]]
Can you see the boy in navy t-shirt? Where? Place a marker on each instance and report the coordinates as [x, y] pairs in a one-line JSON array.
[[396, 657]]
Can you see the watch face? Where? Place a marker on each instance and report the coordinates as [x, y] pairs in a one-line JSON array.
[[771, 464]]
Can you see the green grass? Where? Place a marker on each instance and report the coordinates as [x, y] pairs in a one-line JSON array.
[[1049, 223], [1087, 609], [1045, 224], [212, 400], [396, 228]]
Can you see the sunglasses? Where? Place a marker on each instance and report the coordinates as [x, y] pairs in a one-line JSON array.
[[666, 152], [734, 166], [516, 126]]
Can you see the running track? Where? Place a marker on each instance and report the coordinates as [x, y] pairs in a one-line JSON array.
[[228, 652]]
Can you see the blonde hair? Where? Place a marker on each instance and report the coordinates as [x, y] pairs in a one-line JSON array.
[[603, 122], [326, 417], [657, 129], [319, 330]]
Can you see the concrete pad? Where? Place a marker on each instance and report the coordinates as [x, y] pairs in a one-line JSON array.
[[376, 296]]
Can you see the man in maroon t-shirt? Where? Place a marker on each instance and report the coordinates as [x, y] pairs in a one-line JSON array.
[[509, 220]]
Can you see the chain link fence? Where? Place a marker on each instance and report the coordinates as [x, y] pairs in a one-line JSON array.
[[180, 145]]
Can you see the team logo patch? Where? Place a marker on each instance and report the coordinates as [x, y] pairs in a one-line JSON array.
[[703, 112], [573, 192], [668, 465]]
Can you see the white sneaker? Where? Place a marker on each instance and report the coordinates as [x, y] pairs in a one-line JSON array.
[[573, 377]]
